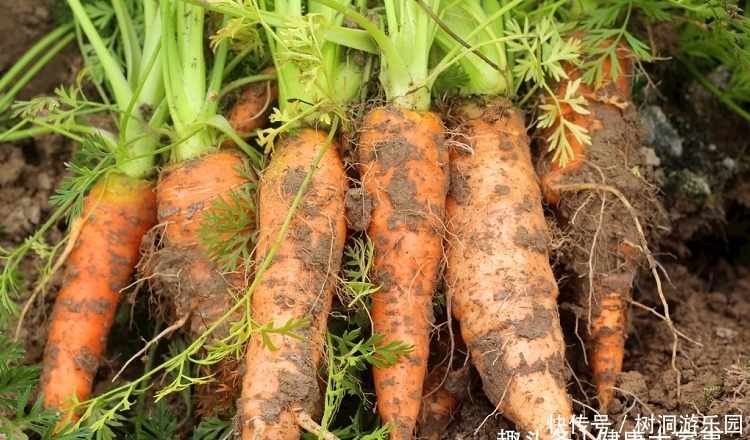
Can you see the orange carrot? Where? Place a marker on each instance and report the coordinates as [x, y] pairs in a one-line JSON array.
[[438, 405], [604, 259], [118, 211], [281, 385], [500, 284], [183, 271], [186, 191], [252, 108], [612, 94], [198, 212], [404, 168]]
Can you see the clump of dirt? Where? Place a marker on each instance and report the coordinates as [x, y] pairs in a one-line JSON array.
[[358, 204]]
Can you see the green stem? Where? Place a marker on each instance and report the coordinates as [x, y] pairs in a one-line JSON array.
[[7, 98], [132, 130], [720, 95], [62, 32], [151, 86], [236, 60], [388, 49], [236, 84], [214, 82], [185, 79], [179, 107], [129, 40], [120, 86], [13, 135], [189, 24], [469, 22]]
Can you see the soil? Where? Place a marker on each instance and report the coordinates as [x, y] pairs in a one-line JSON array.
[[703, 260]]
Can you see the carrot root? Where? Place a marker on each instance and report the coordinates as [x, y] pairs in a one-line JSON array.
[[604, 259], [118, 211], [181, 271], [439, 403], [500, 284], [606, 332], [404, 167], [298, 283]]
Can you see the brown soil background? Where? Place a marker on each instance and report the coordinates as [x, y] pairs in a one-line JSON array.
[[705, 272]]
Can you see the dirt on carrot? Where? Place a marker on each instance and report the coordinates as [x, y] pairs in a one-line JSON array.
[[180, 269], [281, 382], [449, 380], [500, 284], [117, 213], [404, 168], [604, 249], [177, 267]]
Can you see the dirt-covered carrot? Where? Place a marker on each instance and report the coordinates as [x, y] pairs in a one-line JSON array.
[[502, 289], [500, 284], [438, 405], [253, 106], [605, 259], [195, 281], [118, 211], [302, 229], [204, 199], [404, 168], [116, 214], [298, 283]]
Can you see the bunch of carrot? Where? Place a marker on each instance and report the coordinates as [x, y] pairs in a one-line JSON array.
[[126, 203], [469, 202], [404, 165]]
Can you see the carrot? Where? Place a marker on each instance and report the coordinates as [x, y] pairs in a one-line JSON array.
[[252, 108], [501, 286], [118, 211], [438, 405], [302, 229], [612, 93], [404, 169], [199, 181], [605, 259], [298, 283], [182, 268]]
